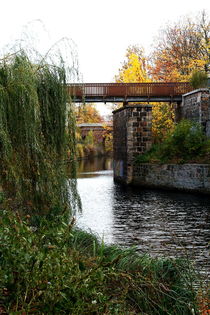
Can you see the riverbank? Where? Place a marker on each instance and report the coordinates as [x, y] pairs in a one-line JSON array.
[[53, 268], [158, 222], [183, 177]]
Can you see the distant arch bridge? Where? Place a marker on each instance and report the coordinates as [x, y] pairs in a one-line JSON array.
[[128, 92]]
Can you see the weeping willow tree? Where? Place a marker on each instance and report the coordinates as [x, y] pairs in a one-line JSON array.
[[36, 136]]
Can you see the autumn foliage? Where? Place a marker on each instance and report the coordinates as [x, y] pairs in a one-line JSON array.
[[181, 50], [87, 113], [134, 68]]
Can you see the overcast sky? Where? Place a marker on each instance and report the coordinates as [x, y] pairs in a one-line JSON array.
[[101, 29]]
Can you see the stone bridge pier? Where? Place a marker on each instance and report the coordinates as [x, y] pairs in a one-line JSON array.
[[132, 129], [132, 135]]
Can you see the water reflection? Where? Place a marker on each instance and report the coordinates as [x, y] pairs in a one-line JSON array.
[[90, 167], [156, 222]]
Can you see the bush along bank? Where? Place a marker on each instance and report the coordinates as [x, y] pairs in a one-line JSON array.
[[92, 145], [47, 266], [50, 267], [187, 143]]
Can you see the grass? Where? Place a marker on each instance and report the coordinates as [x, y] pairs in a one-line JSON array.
[[54, 268]]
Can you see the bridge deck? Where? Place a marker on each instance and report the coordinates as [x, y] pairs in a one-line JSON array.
[[128, 92]]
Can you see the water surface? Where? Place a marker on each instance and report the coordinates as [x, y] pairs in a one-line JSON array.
[[156, 222]]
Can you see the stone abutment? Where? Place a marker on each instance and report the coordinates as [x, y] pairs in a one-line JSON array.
[[132, 135]]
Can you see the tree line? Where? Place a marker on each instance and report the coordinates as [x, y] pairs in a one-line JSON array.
[[179, 50], [180, 53]]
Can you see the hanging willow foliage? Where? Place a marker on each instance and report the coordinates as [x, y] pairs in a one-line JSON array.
[[36, 135]]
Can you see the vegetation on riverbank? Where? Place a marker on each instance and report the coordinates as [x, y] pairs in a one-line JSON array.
[[37, 132], [50, 267], [187, 143], [47, 266], [95, 142], [88, 147]]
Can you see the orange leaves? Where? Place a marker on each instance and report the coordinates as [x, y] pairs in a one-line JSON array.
[[181, 49], [204, 304], [87, 113]]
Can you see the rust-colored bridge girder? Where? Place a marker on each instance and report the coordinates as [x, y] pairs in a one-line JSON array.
[[128, 92]]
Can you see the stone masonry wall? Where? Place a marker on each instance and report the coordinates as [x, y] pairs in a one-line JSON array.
[[186, 177], [120, 144], [131, 136], [196, 107]]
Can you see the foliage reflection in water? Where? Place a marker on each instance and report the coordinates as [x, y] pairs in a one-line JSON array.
[[156, 222]]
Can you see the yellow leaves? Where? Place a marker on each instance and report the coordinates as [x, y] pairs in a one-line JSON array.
[[162, 120], [197, 64], [87, 113], [134, 72], [78, 135], [134, 69]]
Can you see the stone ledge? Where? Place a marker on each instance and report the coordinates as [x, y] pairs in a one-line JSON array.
[[183, 177], [132, 107], [196, 91]]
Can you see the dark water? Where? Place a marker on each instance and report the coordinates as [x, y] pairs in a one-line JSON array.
[[156, 222]]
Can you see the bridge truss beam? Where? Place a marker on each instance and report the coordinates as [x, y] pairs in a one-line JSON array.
[[128, 92]]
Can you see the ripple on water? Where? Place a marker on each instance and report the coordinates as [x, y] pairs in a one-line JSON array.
[[156, 222]]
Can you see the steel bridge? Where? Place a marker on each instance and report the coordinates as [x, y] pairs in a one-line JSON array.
[[128, 92]]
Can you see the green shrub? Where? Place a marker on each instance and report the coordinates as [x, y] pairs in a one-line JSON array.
[[1, 196], [186, 142], [80, 150], [53, 268], [187, 139], [89, 139], [199, 79]]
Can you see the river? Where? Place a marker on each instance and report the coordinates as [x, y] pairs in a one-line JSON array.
[[156, 222]]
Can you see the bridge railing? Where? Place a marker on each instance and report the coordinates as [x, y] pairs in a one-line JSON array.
[[80, 90]]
